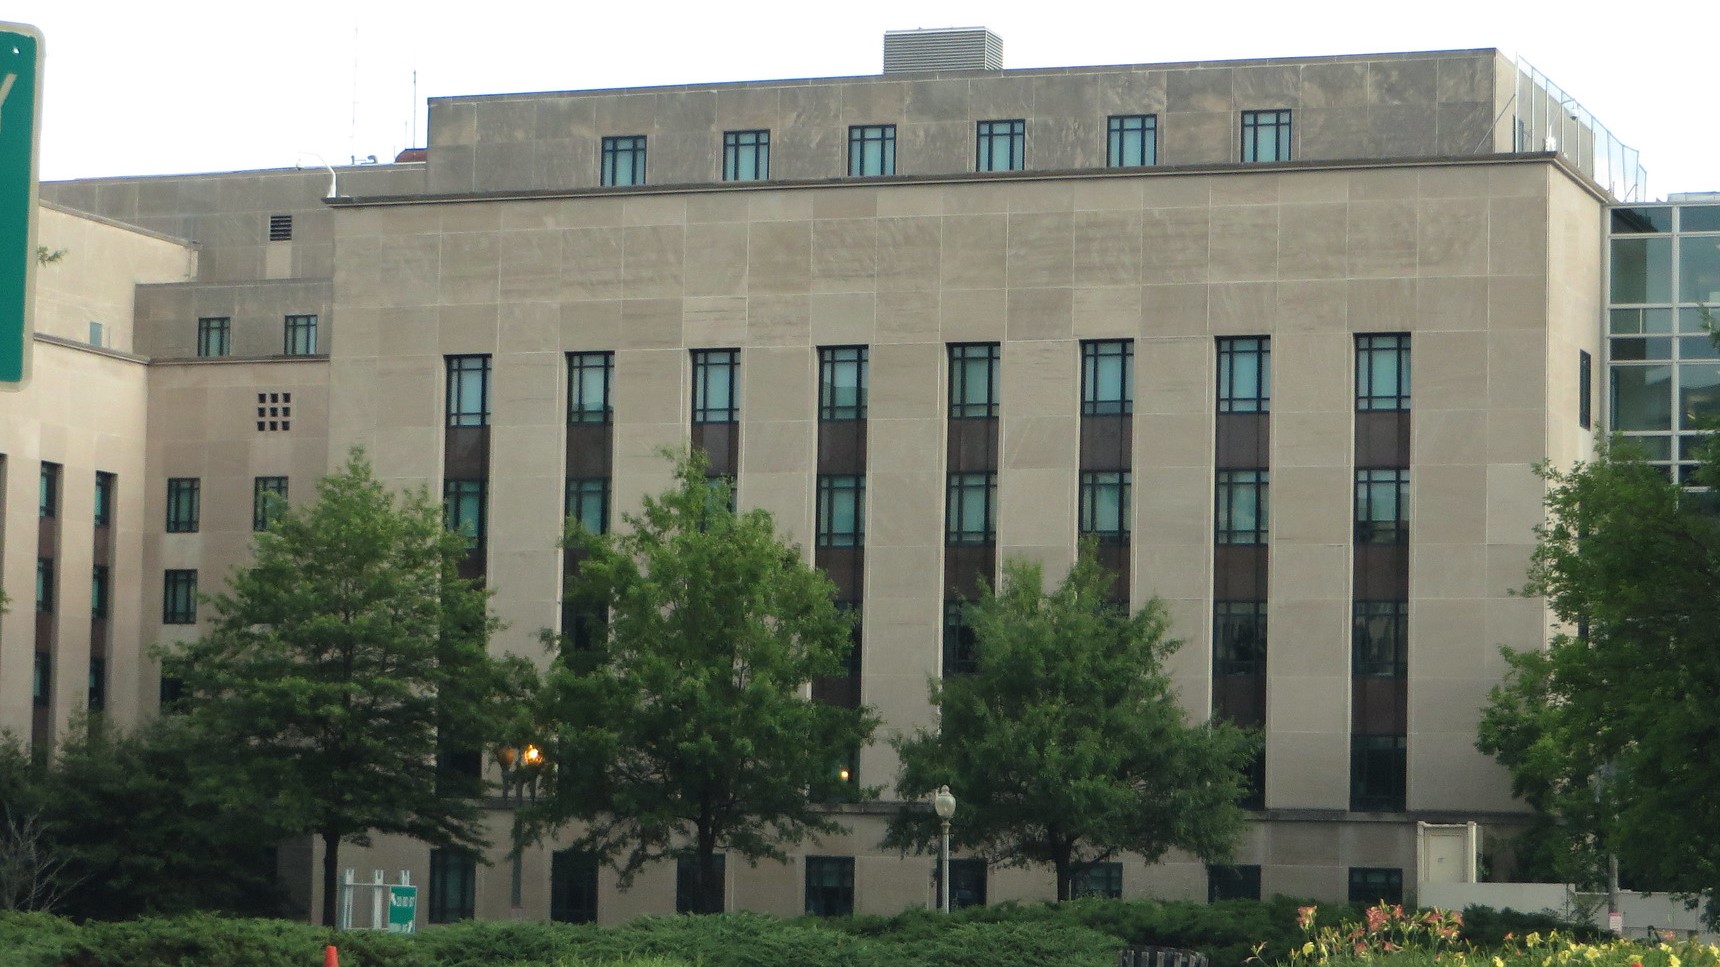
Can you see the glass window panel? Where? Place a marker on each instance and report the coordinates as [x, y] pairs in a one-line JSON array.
[[1132, 141], [588, 503], [1239, 637], [1642, 270], [1641, 398], [1658, 321], [1695, 218], [1697, 347], [588, 378], [1625, 322], [1699, 269], [1651, 447], [1698, 395], [1690, 446], [1640, 221], [1699, 319], [842, 383], [872, 150]]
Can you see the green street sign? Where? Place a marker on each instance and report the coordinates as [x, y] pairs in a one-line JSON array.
[[402, 909], [20, 127]]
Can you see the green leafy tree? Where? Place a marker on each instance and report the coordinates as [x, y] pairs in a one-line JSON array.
[[341, 662], [684, 727], [1067, 746], [116, 827], [1608, 732]]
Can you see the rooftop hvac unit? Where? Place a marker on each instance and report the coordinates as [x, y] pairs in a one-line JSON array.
[[944, 49]]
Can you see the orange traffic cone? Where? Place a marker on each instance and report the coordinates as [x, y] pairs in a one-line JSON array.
[[331, 956]]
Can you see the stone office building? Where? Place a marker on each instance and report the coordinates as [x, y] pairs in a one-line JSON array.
[[957, 313]]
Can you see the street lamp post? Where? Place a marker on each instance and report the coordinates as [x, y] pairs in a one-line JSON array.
[[945, 805], [520, 768]]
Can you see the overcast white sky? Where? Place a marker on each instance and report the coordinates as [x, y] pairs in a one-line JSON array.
[[174, 86]]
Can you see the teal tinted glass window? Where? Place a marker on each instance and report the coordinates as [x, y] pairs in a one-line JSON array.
[[1642, 269], [1699, 269], [1641, 398]]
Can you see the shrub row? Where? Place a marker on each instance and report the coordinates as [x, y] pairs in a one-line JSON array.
[[1082, 933]]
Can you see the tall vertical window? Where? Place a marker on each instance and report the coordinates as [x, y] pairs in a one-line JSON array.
[[1001, 146], [1242, 506], [44, 585], [746, 155], [463, 509], [970, 509], [842, 383], [686, 900], [967, 883], [624, 160], [1132, 140], [588, 503], [468, 390], [1265, 136], [453, 884], [1382, 372], [104, 499], [841, 510], [871, 150], [214, 336], [1107, 377], [1239, 638], [100, 588], [1244, 374], [1585, 389], [184, 494], [830, 886], [268, 500], [301, 336], [716, 377], [179, 597], [48, 491], [1379, 639], [588, 379], [1377, 772], [573, 886], [1105, 504], [1382, 506], [42, 683], [973, 379], [961, 648]]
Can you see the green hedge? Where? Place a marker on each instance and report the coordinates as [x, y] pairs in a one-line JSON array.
[[1081, 933]]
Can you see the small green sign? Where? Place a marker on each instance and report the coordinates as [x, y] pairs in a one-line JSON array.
[[20, 120], [402, 909]]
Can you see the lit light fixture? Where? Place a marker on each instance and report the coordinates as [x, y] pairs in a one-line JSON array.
[[533, 756]]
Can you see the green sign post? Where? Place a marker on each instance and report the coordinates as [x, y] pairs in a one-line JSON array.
[[402, 909], [20, 125]]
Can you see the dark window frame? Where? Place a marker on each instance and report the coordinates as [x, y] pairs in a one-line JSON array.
[[619, 148], [101, 590], [575, 506], [574, 893], [1232, 490], [1232, 882], [829, 886], [1139, 131], [833, 491], [1098, 358], [962, 489], [1094, 484], [44, 585], [465, 509], [453, 887], [184, 505], [299, 335], [960, 645], [1585, 389], [1369, 885], [966, 359], [1103, 879], [834, 361], [1267, 128], [179, 596], [1240, 638], [1382, 505], [593, 367], [262, 489], [1391, 351], [737, 145], [48, 490], [214, 336], [1237, 356], [1011, 133], [468, 377], [871, 150], [707, 364], [1378, 772], [103, 508], [1379, 639], [685, 902]]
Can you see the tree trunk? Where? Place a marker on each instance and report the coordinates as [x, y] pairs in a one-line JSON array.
[[707, 886], [331, 877]]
